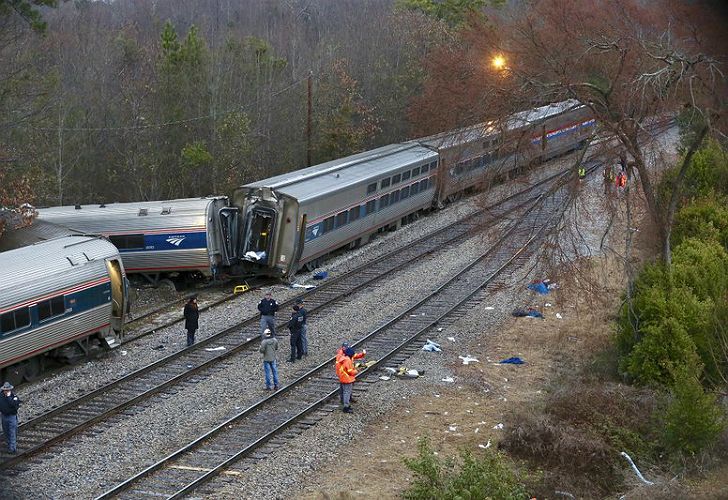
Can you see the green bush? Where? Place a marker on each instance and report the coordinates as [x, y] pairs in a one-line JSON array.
[[693, 420], [702, 266], [706, 219], [483, 477], [706, 175]]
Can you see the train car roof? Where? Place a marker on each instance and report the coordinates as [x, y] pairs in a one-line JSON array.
[[139, 215], [36, 232], [25, 265], [320, 180], [514, 122]]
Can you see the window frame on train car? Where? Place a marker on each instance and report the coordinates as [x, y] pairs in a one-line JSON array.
[[405, 193], [341, 219], [12, 315], [433, 165], [414, 188], [327, 225], [396, 179], [415, 172], [406, 175], [370, 207], [424, 168], [384, 201], [127, 241], [371, 188], [354, 213], [56, 307], [394, 197], [384, 183], [423, 185]]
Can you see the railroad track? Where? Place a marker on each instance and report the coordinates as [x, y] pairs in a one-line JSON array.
[[256, 431], [38, 434]]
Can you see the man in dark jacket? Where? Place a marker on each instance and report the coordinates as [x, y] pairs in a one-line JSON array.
[[304, 328], [9, 404], [295, 325], [268, 307], [192, 315]]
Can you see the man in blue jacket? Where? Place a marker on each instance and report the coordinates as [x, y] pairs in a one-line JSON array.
[[9, 404], [268, 307]]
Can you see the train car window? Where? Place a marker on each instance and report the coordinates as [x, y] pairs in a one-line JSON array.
[[423, 185], [385, 182], [425, 168], [395, 197], [430, 182], [354, 214], [342, 218], [143, 211], [51, 307], [371, 206], [14, 320], [384, 201], [166, 210], [415, 172], [396, 179], [328, 224], [371, 188], [405, 192], [415, 188], [405, 175], [433, 165], [127, 241]]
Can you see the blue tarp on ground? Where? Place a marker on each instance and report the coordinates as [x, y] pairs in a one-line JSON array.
[[512, 361], [539, 287], [321, 275]]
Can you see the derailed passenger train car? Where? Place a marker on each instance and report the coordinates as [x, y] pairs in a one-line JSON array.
[[59, 299], [293, 220], [155, 238]]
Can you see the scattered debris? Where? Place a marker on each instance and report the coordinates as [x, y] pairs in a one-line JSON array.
[[539, 287], [636, 470], [451, 339], [530, 312], [547, 304], [123, 353], [498, 426], [453, 428], [515, 360], [558, 316], [307, 287], [439, 329], [255, 255], [485, 446], [158, 347], [449, 380], [409, 373], [489, 308], [384, 377], [389, 369], [213, 349], [431, 346], [321, 275], [467, 359]]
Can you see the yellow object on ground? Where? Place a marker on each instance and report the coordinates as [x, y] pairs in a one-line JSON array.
[[241, 289]]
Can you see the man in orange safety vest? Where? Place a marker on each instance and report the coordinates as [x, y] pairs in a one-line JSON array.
[[346, 372]]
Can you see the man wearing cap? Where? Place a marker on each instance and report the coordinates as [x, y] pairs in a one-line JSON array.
[[295, 325], [9, 404], [268, 307], [347, 375], [304, 327], [192, 315], [340, 359], [268, 347]]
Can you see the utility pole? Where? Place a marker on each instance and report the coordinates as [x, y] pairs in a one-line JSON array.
[[308, 122]]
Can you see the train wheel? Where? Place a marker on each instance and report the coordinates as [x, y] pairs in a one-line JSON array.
[[33, 369]]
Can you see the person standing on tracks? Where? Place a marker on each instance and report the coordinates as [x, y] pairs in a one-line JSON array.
[[295, 325], [608, 178], [268, 347], [582, 172], [346, 371], [192, 315], [9, 404], [340, 359], [304, 327], [268, 307]]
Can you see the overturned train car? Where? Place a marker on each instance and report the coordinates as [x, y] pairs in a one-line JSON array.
[[293, 220]]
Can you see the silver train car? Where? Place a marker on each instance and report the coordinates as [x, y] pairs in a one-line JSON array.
[[60, 299], [293, 220], [155, 238]]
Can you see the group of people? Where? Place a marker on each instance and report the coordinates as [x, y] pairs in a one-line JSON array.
[[298, 327]]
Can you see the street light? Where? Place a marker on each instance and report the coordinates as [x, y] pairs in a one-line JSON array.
[[499, 62]]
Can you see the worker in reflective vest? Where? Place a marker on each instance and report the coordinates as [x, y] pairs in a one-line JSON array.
[[347, 375]]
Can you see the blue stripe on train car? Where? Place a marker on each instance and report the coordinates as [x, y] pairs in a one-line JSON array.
[[314, 231], [171, 241], [75, 303]]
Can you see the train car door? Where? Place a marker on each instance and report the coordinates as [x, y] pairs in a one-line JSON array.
[[230, 233], [259, 234], [118, 294]]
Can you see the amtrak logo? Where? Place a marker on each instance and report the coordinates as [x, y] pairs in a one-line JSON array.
[[175, 240], [315, 231]]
